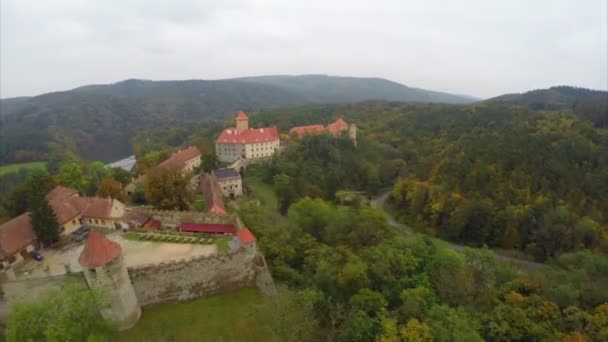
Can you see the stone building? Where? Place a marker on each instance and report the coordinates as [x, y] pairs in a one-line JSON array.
[[104, 270], [336, 128], [248, 143], [230, 182], [185, 161], [17, 240]]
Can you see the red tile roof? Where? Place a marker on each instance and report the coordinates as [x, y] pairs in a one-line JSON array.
[[153, 224], [300, 131], [337, 126], [245, 236], [178, 159], [15, 235], [96, 207], [216, 228], [249, 136], [241, 116], [60, 192], [210, 188], [98, 251]]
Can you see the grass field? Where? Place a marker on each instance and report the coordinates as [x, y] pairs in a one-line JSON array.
[[10, 168], [263, 191], [219, 318]]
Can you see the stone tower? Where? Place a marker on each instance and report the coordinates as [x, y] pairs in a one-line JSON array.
[[104, 269], [242, 122], [352, 133]]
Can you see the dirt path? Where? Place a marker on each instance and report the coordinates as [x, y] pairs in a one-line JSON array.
[[380, 201]]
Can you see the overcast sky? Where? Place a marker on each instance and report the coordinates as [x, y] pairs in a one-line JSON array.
[[482, 48]]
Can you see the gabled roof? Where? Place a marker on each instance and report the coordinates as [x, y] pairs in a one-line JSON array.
[[226, 173], [98, 251], [178, 159], [248, 136], [241, 116], [96, 207], [210, 188], [245, 236], [60, 192], [15, 235], [67, 205]]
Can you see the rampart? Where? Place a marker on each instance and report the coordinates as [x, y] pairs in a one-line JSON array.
[[177, 217], [192, 278]]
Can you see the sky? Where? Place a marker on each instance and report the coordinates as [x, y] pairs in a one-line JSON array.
[[475, 47]]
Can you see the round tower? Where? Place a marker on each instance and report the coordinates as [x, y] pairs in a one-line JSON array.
[[104, 270], [242, 122]]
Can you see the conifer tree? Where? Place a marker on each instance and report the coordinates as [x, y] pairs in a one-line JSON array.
[[44, 222]]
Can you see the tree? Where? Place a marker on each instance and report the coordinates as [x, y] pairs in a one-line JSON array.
[[415, 331], [168, 189], [15, 202], [43, 220], [108, 187], [72, 314], [96, 172], [72, 175], [123, 176], [284, 191]]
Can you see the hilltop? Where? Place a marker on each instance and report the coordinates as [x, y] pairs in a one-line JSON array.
[[102, 119]]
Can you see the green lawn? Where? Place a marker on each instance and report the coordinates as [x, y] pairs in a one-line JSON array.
[[219, 318], [263, 191], [10, 168]]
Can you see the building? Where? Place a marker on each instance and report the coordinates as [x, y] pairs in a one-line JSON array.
[[230, 182], [104, 269], [208, 228], [17, 240], [185, 161], [336, 128], [243, 142], [72, 211]]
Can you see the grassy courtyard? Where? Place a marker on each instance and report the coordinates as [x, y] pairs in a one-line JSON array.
[[218, 318], [10, 168], [263, 191]]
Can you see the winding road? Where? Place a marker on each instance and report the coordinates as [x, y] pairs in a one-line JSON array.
[[379, 203]]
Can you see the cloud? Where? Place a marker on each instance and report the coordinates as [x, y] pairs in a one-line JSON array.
[[482, 48]]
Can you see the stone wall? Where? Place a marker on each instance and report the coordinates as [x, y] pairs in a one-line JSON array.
[[177, 217], [195, 277]]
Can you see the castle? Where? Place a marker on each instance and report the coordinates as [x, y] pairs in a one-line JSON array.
[[247, 143], [336, 128]]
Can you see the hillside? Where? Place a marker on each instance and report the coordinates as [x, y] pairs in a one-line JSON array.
[[589, 104], [102, 119]]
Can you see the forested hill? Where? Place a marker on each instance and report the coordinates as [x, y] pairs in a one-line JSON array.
[[587, 103], [101, 119]]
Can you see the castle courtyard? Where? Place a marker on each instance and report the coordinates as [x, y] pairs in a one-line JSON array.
[[135, 253]]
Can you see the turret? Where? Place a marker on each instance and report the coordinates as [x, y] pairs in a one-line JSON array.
[[104, 270], [242, 122]]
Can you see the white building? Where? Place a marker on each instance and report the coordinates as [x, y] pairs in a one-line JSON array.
[[244, 142]]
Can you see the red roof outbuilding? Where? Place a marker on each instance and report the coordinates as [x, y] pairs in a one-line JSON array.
[[245, 236], [98, 251], [213, 228]]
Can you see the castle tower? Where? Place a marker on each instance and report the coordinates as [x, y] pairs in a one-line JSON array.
[[242, 122], [104, 269], [352, 133]]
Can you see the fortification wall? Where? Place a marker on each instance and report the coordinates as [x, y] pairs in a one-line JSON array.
[[195, 277], [177, 217]]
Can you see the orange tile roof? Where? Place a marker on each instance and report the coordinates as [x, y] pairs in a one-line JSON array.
[[245, 236], [15, 235], [300, 131], [248, 136], [241, 116], [67, 205], [98, 251], [178, 159], [210, 188], [337, 126]]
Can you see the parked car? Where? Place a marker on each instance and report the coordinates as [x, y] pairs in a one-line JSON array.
[[37, 256]]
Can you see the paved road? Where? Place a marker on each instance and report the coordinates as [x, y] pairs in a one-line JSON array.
[[379, 202]]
